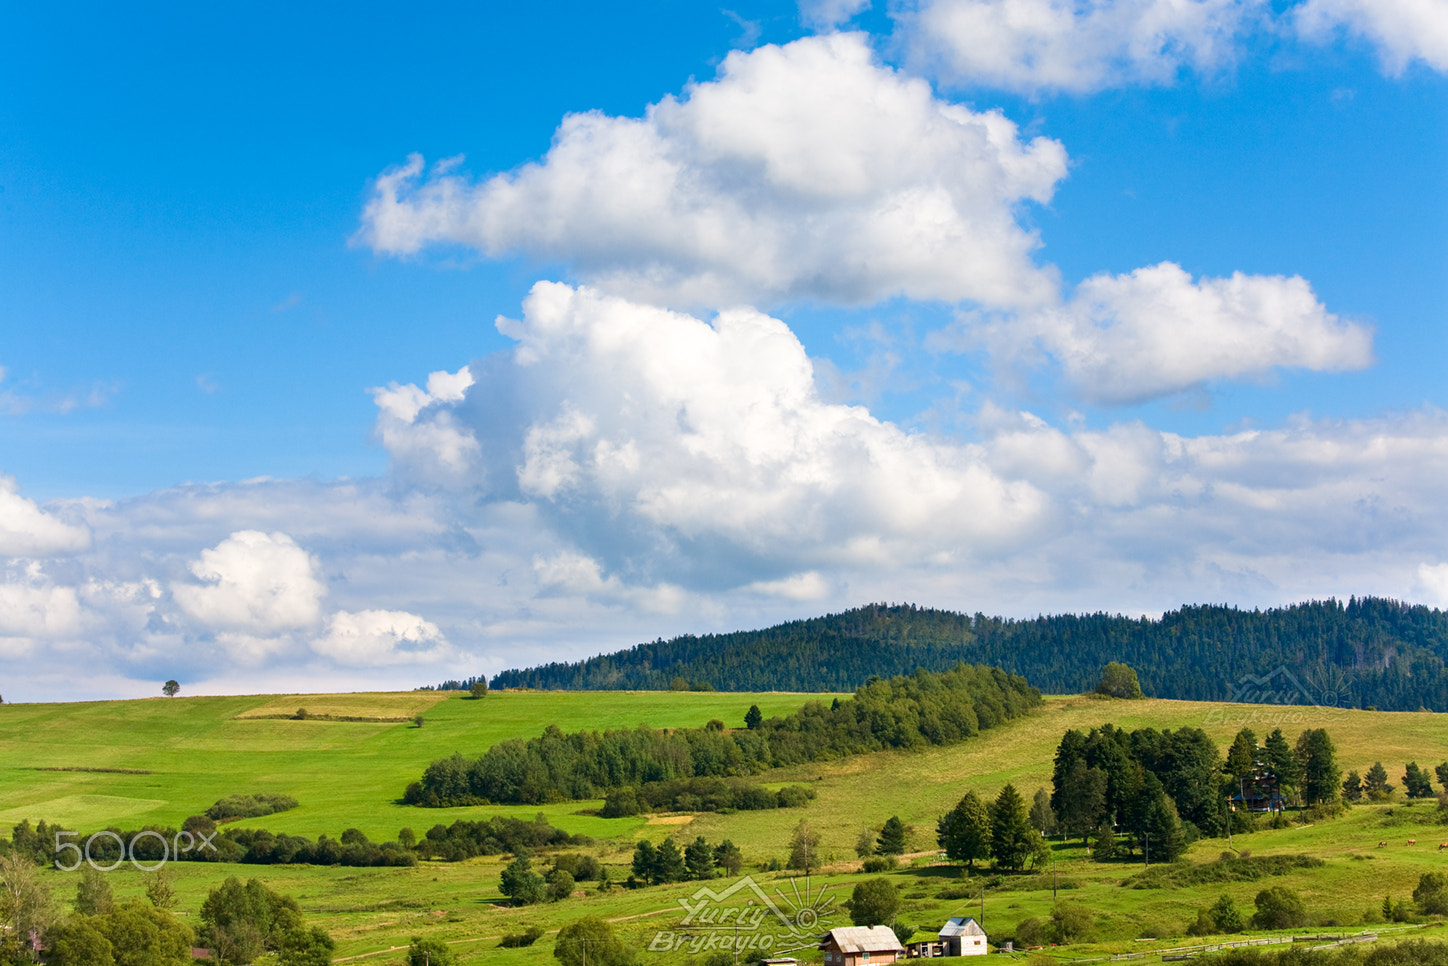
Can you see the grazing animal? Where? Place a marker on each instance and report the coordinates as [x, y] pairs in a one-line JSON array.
[[1412, 841], [1442, 846], [1382, 845]]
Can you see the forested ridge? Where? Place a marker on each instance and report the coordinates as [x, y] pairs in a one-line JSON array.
[[1367, 652]]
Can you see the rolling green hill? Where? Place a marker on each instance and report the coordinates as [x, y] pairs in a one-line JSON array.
[[348, 774], [1368, 652]]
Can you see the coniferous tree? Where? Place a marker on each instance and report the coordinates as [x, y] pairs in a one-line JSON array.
[[1071, 750], [1442, 772], [1321, 777], [1285, 764], [728, 857], [1103, 841], [1416, 782], [1242, 756], [699, 859], [1352, 787], [1012, 841], [964, 831], [1155, 821], [1082, 800], [753, 717], [1375, 783], [646, 862], [892, 837], [670, 863]]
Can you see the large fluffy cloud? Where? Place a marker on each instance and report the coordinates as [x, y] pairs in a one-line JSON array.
[[663, 434], [808, 170], [1073, 45], [1402, 31], [1157, 331], [28, 531], [254, 582]]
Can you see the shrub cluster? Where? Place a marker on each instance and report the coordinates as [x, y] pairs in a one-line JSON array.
[[704, 794], [249, 806]]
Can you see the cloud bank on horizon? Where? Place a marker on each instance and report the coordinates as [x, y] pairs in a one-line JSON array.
[[657, 451]]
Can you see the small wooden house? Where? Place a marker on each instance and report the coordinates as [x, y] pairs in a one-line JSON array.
[[861, 946], [963, 936]]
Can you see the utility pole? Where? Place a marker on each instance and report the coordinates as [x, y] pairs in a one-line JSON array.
[[1147, 852], [982, 905]]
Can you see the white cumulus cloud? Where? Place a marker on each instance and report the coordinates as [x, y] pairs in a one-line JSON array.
[[808, 170], [1157, 331], [418, 429], [1402, 31], [376, 638], [253, 583], [28, 531], [664, 430], [1077, 46]]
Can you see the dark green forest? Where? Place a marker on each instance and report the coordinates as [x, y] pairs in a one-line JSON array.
[[1368, 652]]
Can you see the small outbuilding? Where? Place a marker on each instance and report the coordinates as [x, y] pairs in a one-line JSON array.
[[861, 946], [963, 936]]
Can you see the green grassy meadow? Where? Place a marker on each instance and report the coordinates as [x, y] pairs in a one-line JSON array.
[[350, 774]]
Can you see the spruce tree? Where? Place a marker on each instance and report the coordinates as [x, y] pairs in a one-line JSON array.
[[1284, 762], [892, 837], [753, 717], [1375, 782], [1416, 782], [670, 865], [1352, 787], [1242, 756], [646, 862], [1321, 777], [699, 858], [1010, 830]]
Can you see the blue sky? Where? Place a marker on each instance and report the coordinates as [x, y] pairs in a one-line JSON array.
[[1018, 306]]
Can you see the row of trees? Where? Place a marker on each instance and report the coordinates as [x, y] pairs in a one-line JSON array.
[[907, 712], [1149, 781], [702, 794], [666, 862], [1001, 831], [1374, 785], [256, 846]]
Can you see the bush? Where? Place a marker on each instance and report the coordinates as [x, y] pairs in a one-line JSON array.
[[1278, 907], [1071, 923], [1032, 932], [560, 885], [1431, 895], [880, 863], [249, 806], [429, 952], [528, 937]]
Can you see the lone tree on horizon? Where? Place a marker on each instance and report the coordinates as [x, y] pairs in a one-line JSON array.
[[479, 690], [1119, 681], [170, 688]]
